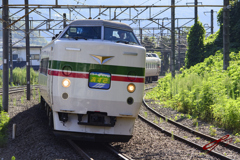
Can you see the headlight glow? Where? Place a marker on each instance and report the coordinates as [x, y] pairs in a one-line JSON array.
[[131, 88], [66, 82]]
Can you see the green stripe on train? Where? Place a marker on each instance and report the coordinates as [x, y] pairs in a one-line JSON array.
[[86, 67]]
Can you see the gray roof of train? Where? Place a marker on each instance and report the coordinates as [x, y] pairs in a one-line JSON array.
[[98, 22]]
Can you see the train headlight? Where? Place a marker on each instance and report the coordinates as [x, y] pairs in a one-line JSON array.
[[131, 88], [66, 82]]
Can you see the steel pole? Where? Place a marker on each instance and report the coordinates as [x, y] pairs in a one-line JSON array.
[[5, 55], [225, 35], [211, 21], [172, 57], [64, 20], [27, 49], [196, 10], [11, 57]]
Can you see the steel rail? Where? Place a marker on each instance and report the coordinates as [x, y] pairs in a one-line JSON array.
[[213, 153], [112, 149], [17, 89], [79, 150], [209, 138]]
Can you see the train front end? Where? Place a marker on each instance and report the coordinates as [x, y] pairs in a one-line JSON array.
[[96, 71]]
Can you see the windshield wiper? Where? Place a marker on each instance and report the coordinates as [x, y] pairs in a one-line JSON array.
[[123, 41]]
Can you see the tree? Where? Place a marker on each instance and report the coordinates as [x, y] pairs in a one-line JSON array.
[[195, 48]]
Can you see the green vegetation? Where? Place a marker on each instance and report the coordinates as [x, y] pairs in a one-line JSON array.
[[205, 90], [19, 77], [212, 131], [215, 41], [195, 47], [172, 136], [155, 120], [145, 114], [4, 119]]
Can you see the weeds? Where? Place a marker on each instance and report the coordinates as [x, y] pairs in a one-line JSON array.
[[172, 136], [22, 99], [212, 131], [160, 120], [176, 118], [4, 119], [237, 140], [155, 120], [14, 101], [34, 92], [145, 114]]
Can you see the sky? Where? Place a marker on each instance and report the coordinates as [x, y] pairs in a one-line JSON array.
[[181, 12]]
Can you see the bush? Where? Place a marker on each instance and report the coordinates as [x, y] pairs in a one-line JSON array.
[[4, 119]]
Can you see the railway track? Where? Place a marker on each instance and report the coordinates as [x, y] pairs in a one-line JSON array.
[[190, 131], [88, 151], [18, 89]]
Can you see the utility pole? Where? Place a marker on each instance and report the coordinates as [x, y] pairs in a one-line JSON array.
[[196, 11], [211, 21], [140, 31], [172, 56], [10, 50], [225, 34], [179, 50], [212, 26], [64, 20], [5, 55], [27, 49]]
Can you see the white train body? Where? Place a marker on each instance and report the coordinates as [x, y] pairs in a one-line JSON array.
[[152, 69], [84, 81]]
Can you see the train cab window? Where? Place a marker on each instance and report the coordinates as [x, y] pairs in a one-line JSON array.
[[120, 36], [83, 33]]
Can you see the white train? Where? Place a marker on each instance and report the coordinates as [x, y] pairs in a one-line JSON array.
[[92, 81], [152, 68]]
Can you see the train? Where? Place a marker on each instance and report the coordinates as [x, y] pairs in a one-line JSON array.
[[91, 79], [152, 68]]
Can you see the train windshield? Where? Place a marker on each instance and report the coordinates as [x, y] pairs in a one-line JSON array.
[[120, 36], [83, 33]]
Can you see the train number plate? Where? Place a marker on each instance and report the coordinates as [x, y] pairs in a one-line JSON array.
[[99, 80]]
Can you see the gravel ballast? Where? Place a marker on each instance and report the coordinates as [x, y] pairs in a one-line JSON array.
[[35, 140]]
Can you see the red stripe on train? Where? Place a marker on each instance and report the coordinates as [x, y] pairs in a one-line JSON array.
[[86, 75]]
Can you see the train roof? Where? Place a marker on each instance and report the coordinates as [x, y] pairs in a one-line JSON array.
[[99, 22]]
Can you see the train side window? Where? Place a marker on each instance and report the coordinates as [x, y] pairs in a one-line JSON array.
[[44, 66]]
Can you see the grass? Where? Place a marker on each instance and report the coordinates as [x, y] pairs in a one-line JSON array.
[[237, 140], [22, 99], [172, 136], [155, 120], [160, 120], [34, 92], [145, 114], [212, 131], [14, 101]]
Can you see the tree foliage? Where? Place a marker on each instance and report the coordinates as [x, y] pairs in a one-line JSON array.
[[195, 48], [215, 42]]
